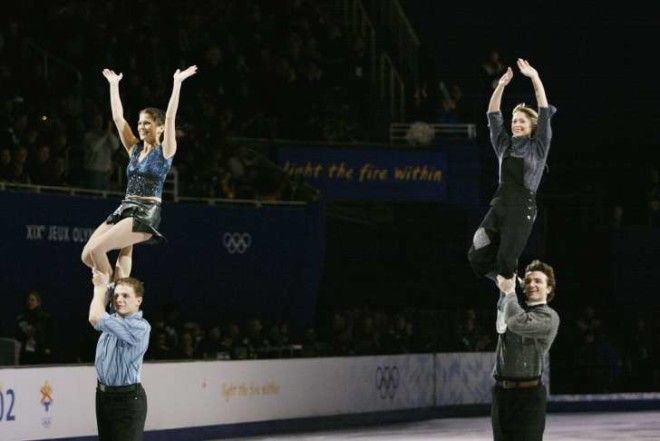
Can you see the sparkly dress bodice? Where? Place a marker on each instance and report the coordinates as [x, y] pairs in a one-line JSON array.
[[146, 177]]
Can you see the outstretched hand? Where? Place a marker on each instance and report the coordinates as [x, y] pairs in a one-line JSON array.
[[526, 69], [112, 77], [506, 78], [181, 75]]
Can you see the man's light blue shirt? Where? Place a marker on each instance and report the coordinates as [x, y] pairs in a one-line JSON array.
[[121, 348]]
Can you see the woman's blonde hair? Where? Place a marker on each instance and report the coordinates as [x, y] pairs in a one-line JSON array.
[[531, 114]]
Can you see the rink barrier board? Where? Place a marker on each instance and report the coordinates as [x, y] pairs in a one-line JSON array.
[[212, 399]]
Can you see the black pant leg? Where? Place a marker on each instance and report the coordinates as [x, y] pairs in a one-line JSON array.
[[128, 422], [121, 416], [518, 414], [516, 227], [103, 424], [485, 243], [495, 412]]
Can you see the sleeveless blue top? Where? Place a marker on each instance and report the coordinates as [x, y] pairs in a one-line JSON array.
[[146, 177]]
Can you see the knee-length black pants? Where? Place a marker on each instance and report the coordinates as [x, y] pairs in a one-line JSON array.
[[502, 236]]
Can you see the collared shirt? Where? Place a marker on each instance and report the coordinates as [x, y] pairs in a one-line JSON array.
[[121, 348], [526, 340], [532, 150]]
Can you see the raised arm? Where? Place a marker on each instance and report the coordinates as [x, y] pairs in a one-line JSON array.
[[539, 90], [99, 301], [169, 135], [538, 323], [126, 135], [496, 97]]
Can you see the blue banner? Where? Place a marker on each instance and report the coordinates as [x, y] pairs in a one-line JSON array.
[[369, 173], [228, 261]]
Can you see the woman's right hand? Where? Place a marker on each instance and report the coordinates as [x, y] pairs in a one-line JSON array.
[[112, 77], [506, 78]]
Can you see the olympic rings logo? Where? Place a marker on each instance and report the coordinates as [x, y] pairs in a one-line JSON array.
[[387, 381], [236, 242]]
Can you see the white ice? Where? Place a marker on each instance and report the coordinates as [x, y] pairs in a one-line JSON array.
[[587, 426]]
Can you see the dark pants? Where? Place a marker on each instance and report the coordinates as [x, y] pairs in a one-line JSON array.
[[120, 415], [518, 414], [501, 238]]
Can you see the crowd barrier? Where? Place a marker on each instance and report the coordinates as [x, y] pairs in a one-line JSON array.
[[211, 399], [206, 399]]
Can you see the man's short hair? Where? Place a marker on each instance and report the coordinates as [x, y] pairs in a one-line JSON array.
[[134, 283], [537, 265]]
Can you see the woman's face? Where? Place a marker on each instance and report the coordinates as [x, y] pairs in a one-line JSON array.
[[148, 130], [521, 125], [33, 302]]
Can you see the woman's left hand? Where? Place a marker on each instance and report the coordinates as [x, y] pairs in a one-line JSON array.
[[526, 69], [180, 75], [99, 278]]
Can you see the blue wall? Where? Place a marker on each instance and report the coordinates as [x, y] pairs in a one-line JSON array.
[[276, 277]]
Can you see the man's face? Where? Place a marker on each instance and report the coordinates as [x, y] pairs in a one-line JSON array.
[[5, 156], [33, 302], [125, 302], [536, 286]]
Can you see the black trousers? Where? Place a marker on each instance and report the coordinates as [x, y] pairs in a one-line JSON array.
[[501, 238], [120, 415], [518, 414]]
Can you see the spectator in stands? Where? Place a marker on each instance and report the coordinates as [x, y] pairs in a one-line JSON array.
[[366, 341], [653, 197], [588, 323], [471, 338], [18, 173], [99, 144], [31, 138], [492, 69], [596, 362], [41, 168], [460, 109], [35, 331], [340, 336], [211, 346], [447, 113], [172, 324], [630, 195], [5, 163], [138, 217], [61, 147], [186, 349], [421, 105], [159, 348], [230, 341], [254, 339], [17, 129], [311, 346], [641, 355], [398, 337], [504, 231], [60, 177]]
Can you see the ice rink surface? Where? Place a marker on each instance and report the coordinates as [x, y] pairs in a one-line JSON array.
[[583, 426]]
